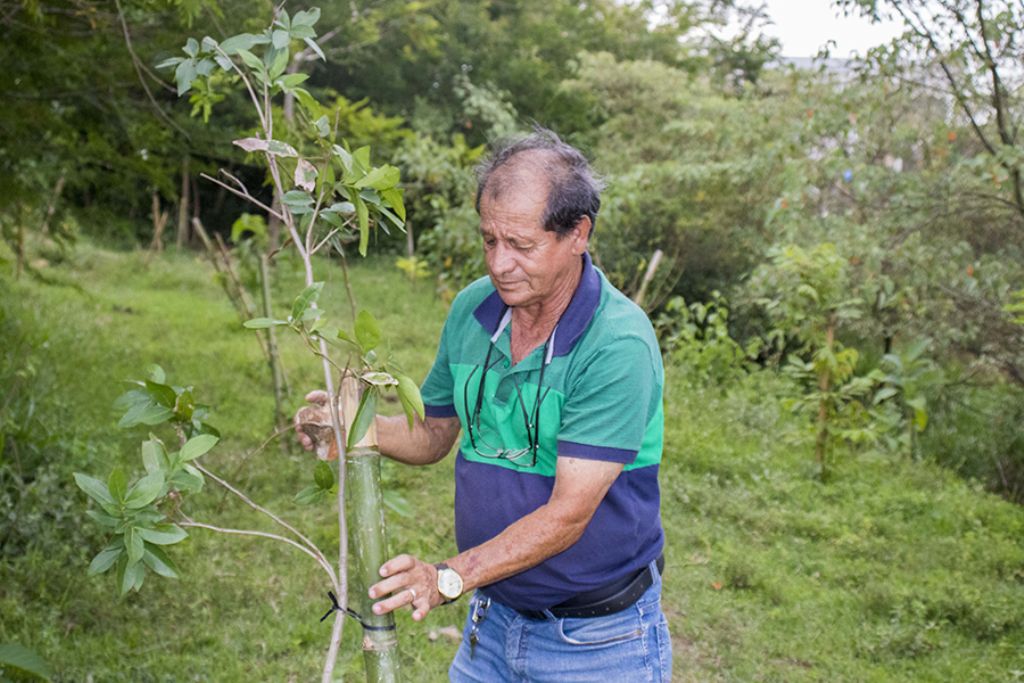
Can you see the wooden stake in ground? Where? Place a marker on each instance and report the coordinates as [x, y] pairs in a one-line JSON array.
[[652, 268], [368, 540]]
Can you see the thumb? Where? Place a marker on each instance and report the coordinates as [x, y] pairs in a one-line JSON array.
[[318, 397]]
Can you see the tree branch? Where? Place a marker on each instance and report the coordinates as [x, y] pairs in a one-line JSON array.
[[138, 71], [263, 534]]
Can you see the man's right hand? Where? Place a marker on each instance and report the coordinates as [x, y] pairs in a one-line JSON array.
[[314, 427]]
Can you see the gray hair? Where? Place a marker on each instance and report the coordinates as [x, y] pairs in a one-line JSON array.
[[573, 189]]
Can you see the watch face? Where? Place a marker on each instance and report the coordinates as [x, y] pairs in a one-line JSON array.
[[449, 583]]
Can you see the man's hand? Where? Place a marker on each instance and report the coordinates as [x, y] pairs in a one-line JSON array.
[[314, 426], [409, 581]]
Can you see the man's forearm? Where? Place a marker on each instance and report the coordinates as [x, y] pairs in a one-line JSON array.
[[543, 533], [426, 443]]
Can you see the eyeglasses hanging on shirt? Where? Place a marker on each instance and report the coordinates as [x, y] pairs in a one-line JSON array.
[[516, 456]]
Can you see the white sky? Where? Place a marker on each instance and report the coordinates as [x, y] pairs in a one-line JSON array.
[[804, 26]]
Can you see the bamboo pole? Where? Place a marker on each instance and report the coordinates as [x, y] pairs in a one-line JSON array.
[[365, 504]]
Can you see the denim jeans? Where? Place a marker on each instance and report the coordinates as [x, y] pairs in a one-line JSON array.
[[629, 646]]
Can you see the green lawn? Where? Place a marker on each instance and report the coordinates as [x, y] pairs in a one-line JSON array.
[[893, 571]]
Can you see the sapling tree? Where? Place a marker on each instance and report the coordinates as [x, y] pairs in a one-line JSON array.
[[808, 296], [327, 197]]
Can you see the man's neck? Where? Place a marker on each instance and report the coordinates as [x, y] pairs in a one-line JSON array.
[[535, 322]]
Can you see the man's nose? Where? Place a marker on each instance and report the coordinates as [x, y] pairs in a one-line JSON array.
[[502, 259]]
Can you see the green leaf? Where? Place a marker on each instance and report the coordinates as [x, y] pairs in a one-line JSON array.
[[312, 45], [161, 393], [362, 158], [103, 519], [197, 446], [17, 659], [184, 75], [364, 416], [306, 17], [367, 331], [168, 63], [163, 534], [381, 178], [117, 484], [243, 41], [251, 60], [157, 560], [105, 559], [323, 475], [305, 299], [133, 576], [884, 393], [155, 373], [364, 224], [94, 488], [394, 198], [145, 413], [145, 491], [188, 480], [279, 39], [310, 495], [410, 398], [297, 199], [134, 544], [289, 81], [279, 63], [344, 157], [323, 126], [263, 323]]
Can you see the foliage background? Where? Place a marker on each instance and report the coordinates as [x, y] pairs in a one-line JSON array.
[[843, 279]]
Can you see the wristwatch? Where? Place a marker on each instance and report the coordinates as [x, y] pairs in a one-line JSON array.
[[449, 583]]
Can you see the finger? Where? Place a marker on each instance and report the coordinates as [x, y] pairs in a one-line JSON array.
[[317, 396], [399, 563], [420, 607], [400, 599], [390, 585]]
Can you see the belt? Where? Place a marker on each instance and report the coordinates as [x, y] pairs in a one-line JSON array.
[[608, 599]]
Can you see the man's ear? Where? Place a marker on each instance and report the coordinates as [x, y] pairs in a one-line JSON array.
[[581, 234]]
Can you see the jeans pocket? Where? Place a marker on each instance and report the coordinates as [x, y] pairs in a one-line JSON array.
[[614, 628]]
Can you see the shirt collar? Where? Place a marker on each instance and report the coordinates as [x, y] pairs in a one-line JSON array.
[[574, 320]]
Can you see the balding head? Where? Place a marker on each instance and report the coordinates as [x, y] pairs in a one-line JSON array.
[[571, 189]]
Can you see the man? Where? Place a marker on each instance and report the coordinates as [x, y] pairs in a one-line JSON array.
[[554, 378]]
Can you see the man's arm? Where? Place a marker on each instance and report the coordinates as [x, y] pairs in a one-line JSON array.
[[426, 443], [580, 486]]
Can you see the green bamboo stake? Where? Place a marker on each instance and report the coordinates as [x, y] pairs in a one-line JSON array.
[[368, 539]]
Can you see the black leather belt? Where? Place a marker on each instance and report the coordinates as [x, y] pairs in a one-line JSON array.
[[609, 599]]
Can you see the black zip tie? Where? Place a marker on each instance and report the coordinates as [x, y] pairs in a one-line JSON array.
[[335, 607]]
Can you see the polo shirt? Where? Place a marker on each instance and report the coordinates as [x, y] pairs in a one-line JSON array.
[[601, 400]]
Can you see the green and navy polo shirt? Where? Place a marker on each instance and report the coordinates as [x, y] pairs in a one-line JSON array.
[[601, 400]]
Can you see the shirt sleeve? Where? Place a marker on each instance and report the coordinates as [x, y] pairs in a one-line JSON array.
[[610, 403], [438, 390]]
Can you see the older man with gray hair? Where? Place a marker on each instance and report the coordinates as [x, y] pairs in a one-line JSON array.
[[554, 379]]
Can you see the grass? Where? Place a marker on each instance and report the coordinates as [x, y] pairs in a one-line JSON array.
[[892, 571]]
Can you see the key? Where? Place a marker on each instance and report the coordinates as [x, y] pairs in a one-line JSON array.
[[473, 640]]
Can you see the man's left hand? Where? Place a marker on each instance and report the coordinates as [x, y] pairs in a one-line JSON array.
[[408, 581]]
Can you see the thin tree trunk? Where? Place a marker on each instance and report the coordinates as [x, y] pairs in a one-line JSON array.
[[52, 206], [225, 281], [182, 238], [824, 382], [274, 356], [369, 542]]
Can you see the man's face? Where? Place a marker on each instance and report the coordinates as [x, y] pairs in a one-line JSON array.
[[527, 263]]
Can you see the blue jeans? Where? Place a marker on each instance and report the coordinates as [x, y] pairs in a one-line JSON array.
[[629, 646]]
